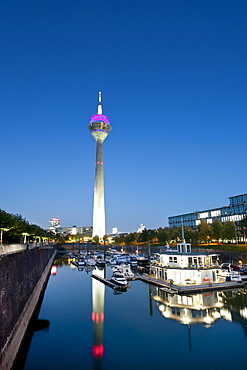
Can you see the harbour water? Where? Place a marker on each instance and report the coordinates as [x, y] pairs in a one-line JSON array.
[[87, 325]]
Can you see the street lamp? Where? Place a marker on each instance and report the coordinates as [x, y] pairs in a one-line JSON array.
[[1, 233]]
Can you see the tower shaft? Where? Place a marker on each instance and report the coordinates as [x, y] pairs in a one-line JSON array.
[[99, 127], [99, 199]]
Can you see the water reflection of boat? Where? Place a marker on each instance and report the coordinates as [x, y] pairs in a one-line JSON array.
[[90, 262], [191, 309], [119, 279], [100, 263], [79, 262], [120, 291]]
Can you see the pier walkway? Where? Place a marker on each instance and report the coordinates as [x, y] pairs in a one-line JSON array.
[[108, 282], [175, 289], [187, 289]]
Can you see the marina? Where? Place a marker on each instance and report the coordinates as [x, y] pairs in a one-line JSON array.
[[83, 308], [175, 288]]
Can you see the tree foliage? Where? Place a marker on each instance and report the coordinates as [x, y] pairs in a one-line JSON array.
[[14, 226], [217, 229], [204, 232], [229, 230]]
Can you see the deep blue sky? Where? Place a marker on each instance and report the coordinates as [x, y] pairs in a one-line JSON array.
[[173, 74]]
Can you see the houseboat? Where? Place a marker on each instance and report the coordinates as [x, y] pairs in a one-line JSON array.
[[183, 267]]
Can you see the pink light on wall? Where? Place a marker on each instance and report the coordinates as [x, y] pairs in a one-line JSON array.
[[101, 118]]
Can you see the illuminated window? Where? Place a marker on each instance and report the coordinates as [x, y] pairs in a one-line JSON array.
[[203, 215], [215, 213]]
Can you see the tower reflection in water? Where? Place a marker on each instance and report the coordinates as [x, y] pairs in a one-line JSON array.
[[98, 297]]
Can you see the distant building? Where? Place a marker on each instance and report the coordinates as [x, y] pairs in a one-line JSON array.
[[74, 230], [54, 225], [114, 230], [235, 212], [141, 228]]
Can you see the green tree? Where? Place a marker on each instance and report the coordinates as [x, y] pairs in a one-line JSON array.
[[243, 227], [190, 235], [96, 239], [217, 229], [175, 233], [120, 239], [130, 238], [146, 235], [162, 235], [229, 230], [143, 236], [204, 232], [243, 222]]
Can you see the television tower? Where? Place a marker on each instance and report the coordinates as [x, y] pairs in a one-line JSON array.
[[99, 127]]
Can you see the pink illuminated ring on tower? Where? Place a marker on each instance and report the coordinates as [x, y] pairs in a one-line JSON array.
[[99, 117]]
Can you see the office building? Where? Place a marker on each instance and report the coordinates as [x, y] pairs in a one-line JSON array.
[[235, 211]]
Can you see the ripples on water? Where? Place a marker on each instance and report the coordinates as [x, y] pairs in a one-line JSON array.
[[86, 325]]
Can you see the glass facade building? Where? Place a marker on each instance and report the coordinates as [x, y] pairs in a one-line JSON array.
[[235, 212]]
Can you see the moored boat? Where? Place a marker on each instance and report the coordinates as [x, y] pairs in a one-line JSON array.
[[133, 261], [100, 263], [227, 273], [125, 270], [119, 279], [141, 259]]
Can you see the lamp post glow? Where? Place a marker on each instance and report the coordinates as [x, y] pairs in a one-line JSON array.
[[99, 127]]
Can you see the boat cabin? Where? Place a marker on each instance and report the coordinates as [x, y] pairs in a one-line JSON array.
[[184, 267]]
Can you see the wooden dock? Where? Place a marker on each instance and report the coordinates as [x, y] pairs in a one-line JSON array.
[[175, 289], [189, 289], [108, 282]]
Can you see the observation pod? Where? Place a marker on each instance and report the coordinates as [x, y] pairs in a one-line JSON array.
[[99, 127]]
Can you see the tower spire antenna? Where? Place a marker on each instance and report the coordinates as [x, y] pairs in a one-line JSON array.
[[100, 109]]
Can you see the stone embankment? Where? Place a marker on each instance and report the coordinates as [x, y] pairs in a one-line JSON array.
[[23, 276]]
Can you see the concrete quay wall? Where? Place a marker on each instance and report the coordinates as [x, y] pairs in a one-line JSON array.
[[22, 278]]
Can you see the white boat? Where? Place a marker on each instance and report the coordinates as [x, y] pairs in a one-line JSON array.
[[101, 262], [133, 261], [90, 262], [125, 270], [141, 259], [119, 279], [121, 259], [228, 274]]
